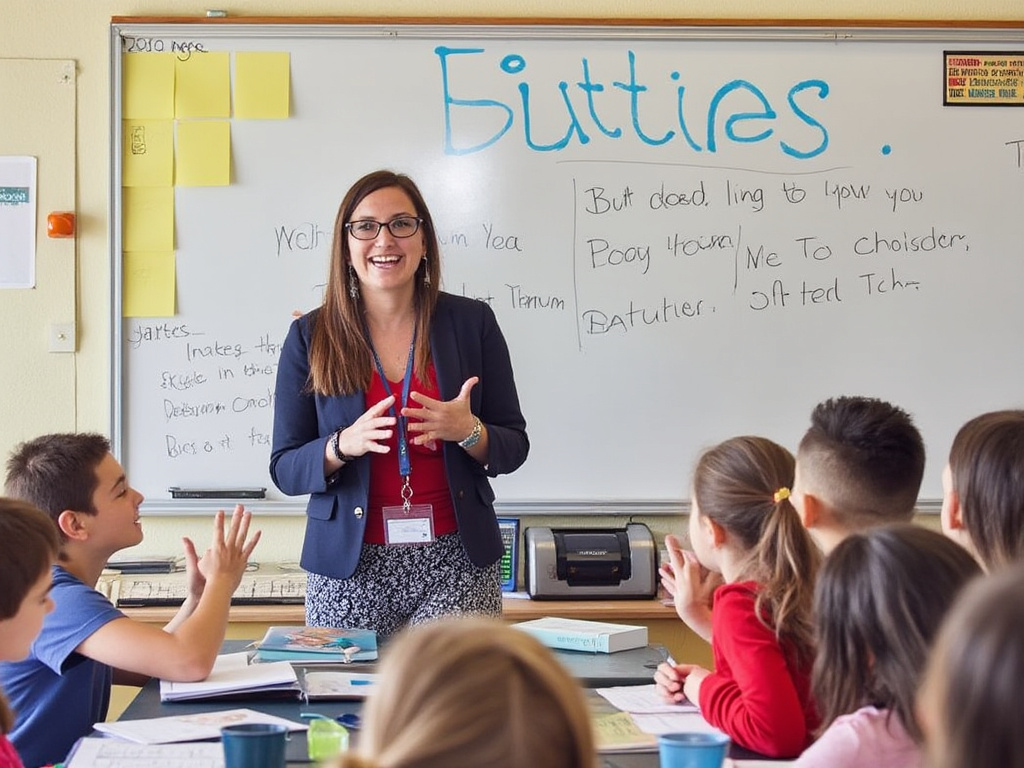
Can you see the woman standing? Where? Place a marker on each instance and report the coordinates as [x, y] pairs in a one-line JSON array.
[[394, 404]]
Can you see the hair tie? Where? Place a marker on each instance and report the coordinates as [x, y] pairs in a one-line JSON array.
[[781, 494]]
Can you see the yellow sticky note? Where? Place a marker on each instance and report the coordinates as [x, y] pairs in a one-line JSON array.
[[203, 157], [147, 218], [148, 156], [148, 86], [148, 285], [262, 85], [202, 86]]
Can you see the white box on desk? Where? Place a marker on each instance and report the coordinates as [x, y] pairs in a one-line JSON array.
[[583, 635]]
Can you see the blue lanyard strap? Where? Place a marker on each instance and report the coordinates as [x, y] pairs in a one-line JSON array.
[[404, 467]]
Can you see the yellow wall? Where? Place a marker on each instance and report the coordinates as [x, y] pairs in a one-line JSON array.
[[79, 30]]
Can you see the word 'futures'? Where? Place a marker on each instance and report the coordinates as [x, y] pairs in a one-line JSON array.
[[738, 111]]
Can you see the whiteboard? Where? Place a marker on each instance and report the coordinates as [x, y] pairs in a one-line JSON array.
[[685, 233]]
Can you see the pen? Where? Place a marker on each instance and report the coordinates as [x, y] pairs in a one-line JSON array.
[[670, 660]]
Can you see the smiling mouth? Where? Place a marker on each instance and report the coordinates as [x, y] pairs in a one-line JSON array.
[[385, 261]]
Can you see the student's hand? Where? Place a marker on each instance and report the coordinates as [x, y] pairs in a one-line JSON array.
[[669, 682], [691, 586], [229, 550], [365, 435], [437, 420], [194, 577], [693, 676]]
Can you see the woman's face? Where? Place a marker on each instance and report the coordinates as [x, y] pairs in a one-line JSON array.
[[18, 631], [386, 263]]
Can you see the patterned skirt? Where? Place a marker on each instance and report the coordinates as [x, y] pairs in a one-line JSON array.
[[394, 586]]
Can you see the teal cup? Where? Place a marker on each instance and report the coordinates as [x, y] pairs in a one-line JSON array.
[[254, 745], [691, 750]]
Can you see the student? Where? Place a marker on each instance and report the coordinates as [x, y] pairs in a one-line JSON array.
[[743, 526], [472, 691], [28, 547], [983, 488], [859, 464], [880, 598], [969, 703], [63, 687]]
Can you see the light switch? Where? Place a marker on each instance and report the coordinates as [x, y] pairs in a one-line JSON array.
[[62, 337]]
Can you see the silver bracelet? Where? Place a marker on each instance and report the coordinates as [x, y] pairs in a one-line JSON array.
[[474, 437]]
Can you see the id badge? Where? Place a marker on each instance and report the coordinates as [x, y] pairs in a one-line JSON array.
[[413, 527]]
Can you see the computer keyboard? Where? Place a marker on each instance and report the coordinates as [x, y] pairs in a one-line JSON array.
[[267, 585]]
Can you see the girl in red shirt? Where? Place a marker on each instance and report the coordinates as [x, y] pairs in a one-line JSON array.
[[745, 532]]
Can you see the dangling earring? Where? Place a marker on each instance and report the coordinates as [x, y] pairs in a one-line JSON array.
[[426, 272], [353, 283]]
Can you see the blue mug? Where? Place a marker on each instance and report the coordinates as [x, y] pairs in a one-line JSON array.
[[692, 750], [254, 745]]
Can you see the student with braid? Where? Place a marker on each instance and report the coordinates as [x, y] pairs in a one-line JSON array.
[[743, 526]]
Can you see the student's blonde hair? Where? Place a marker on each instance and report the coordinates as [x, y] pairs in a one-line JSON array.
[[28, 546], [973, 679], [472, 692]]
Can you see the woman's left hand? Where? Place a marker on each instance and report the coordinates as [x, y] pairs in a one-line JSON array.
[[450, 420]]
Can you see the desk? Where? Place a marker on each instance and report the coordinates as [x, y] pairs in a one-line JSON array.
[[632, 667], [664, 627]]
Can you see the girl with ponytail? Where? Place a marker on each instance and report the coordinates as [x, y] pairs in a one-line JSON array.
[[745, 532]]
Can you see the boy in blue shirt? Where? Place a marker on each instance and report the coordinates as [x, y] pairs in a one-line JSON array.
[[86, 644]]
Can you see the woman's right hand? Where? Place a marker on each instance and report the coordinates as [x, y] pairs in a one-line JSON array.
[[365, 435]]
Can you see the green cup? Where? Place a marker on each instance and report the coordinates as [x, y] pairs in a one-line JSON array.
[[325, 739]]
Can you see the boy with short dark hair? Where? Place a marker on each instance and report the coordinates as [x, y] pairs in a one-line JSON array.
[[86, 643], [859, 465]]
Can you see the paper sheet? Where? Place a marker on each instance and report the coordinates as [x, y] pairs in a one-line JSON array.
[[642, 699], [111, 753]]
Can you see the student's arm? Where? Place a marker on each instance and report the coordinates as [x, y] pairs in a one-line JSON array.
[[187, 652]]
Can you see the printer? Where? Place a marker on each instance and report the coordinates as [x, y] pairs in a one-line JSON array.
[[591, 563]]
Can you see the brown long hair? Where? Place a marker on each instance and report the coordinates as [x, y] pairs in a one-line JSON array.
[[972, 682], [880, 598], [28, 546], [737, 484], [468, 692], [340, 359], [986, 462]]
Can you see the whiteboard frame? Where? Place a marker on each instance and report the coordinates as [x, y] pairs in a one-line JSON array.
[[816, 30]]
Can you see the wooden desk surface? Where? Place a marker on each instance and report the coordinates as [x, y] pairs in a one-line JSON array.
[[515, 609]]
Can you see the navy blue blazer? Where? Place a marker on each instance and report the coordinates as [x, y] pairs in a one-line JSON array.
[[465, 341]]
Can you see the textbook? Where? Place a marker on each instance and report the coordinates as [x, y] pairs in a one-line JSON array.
[[317, 644], [581, 635], [233, 677]]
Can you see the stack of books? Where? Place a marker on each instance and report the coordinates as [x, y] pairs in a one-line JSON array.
[[317, 644]]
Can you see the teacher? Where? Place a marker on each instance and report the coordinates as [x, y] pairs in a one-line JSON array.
[[395, 402]]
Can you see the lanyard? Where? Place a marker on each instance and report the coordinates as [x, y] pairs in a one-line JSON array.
[[404, 467]]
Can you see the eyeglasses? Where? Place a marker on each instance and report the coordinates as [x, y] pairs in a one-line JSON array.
[[368, 229]]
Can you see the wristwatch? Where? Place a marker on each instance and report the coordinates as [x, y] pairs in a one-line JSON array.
[[474, 436]]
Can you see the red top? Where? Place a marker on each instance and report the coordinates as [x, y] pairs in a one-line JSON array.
[[755, 694], [8, 755], [427, 476]]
